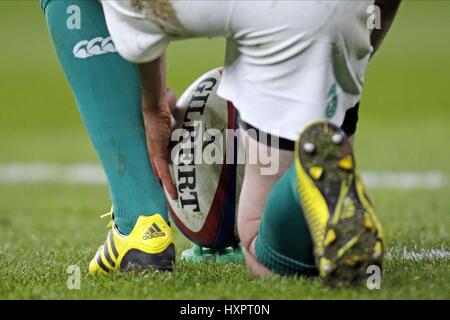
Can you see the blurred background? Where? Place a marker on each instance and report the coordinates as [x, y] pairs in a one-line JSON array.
[[405, 107], [403, 128]]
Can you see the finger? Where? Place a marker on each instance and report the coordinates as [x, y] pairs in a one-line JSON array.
[[166, 178], [171, 99]]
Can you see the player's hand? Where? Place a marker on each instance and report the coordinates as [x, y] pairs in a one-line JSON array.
[[158, 132]]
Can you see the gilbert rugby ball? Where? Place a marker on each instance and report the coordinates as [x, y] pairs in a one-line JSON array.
[[204, 165]]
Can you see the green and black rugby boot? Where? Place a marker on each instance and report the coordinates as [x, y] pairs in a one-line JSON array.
[[346, 232]]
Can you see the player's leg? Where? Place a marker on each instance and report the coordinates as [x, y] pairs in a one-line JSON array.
[[283, 221], [270, 214], [272, 225], [254, 192], [282, 79], [107, 91]]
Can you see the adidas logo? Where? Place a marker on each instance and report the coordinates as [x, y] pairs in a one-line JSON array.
[[153, 232], [95, 47]]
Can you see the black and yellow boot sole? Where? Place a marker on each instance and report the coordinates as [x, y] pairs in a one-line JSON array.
[[346, 232]]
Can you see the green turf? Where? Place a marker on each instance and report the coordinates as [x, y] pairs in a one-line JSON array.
[[54, 228], [44, 228]]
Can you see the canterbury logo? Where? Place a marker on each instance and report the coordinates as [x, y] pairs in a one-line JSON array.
[[95, 47], [153, 232]]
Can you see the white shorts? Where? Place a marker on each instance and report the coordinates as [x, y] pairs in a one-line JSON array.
[[288, 63]]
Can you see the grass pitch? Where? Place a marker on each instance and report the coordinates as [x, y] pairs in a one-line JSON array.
[[46, 227], [57, 226]]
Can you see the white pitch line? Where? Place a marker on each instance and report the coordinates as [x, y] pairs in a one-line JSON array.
[[91, 174], [418, 255], [405, 180], [44, 172], [82, 173]]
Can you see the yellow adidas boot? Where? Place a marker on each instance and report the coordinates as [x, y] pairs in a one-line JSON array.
[[148, 246], [345, 230]]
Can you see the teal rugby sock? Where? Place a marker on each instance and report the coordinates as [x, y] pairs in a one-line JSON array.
[[284, 242], [107, 92]]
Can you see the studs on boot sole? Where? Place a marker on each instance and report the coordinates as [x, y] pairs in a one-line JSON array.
[[368, 224], [337, 138], [309, 147], [316, 172], [326, 266], [346, 163], [378, 250], [329, 238]]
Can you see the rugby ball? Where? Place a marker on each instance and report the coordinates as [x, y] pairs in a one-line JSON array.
[[205, 153]]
